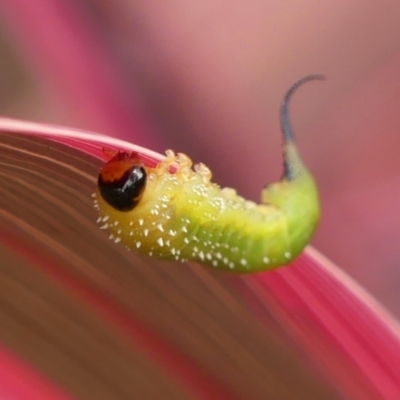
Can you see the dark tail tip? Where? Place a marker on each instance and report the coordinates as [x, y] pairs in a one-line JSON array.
[[292, 160], [284, 114]]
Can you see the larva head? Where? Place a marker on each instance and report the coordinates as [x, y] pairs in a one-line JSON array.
[[122, 181]]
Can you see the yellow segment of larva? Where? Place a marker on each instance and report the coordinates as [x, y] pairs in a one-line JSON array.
[[162, 223]]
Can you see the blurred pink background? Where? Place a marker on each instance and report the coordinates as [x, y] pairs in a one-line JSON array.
[[207, 79]]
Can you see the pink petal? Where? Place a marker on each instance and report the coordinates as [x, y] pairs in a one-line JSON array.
[[338, 329], [20, 381]]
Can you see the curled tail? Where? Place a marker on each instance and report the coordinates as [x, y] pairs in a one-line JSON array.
[[296, 194]]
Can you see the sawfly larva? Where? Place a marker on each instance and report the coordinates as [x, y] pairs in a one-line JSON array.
[[173, 211]]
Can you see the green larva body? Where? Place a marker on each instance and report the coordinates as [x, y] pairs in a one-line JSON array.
[[180, 214]]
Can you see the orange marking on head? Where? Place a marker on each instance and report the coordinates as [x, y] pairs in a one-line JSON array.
[[119, 164]]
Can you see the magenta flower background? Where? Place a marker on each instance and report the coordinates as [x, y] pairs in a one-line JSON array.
[[207, 79], [210, 78]]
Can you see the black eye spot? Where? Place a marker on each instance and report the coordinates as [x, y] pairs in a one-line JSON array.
[[124, 193]]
